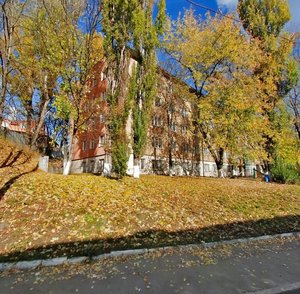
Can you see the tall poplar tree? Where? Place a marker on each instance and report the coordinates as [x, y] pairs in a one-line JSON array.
[[130, 32], [264, 20]]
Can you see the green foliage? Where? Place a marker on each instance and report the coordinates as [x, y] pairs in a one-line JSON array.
[[221, 64], [161, 18], [277, 70], [120, 158], [144, 94], [63, 107], [285, 173], [286, 145], [264, 18], [130, 24]]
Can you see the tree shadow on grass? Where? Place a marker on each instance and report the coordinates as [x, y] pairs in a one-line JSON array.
[[9, 183], [160, 238]]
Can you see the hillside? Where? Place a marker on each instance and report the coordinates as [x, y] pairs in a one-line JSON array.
[[15, 161], [46, 215]]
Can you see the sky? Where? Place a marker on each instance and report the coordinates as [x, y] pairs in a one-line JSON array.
[[176, 6]]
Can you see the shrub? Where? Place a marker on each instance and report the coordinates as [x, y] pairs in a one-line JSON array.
[[285, 173]]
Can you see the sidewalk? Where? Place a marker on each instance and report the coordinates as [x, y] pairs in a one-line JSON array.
[[271, 266]]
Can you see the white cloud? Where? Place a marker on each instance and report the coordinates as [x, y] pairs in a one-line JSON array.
[[229, 4]]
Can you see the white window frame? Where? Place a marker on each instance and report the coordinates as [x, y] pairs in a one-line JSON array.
[[157, 121], [173, 126], [92, 144], [102, 118], [101, 140]]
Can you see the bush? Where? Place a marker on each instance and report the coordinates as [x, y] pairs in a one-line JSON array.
[[285, 173]]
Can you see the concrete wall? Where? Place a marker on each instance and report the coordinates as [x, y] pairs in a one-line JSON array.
[[94, 165]]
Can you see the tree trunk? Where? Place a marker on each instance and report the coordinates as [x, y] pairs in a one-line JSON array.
[[170, 161], [29, 112], [40, 123], [2, 102], [297, 126], [68, 163], [43, 112], [6, 54], [136, 168], [220, 162]]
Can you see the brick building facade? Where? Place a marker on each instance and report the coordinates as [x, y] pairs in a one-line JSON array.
[[172, 147]]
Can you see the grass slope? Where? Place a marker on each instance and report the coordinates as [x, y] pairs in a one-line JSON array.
[[14, 162], [47, 215]]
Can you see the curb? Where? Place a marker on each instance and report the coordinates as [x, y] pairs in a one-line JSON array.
[[25, 265]]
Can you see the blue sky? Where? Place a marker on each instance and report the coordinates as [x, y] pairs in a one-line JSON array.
[[176, 6]]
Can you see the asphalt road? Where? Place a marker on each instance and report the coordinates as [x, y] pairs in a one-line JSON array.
[[258, 267]]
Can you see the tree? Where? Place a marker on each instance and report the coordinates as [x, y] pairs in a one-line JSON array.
[[294, 104], [11, 14], [130, 31], [74, 27], [36, 69], [264, 20], [294, 95], [218, 61]]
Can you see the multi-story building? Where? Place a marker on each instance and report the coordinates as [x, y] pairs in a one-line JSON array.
[[90, 153], [172, 147]]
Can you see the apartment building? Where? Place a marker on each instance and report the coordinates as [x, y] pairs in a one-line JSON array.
[[89, 152], [172, 147]]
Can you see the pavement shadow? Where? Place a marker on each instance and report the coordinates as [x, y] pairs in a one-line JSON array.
[[160, 238]]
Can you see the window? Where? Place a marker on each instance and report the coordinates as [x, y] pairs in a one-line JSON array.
[[84, 145], [184, 112], [186, 147], [92, 144], [206, 167], [183, 129], [171, 109], [102, 118], [157, 101], [143, 161], [100, 165], [196, 149], [103, 96], [102, 76], [157, 121], [157, 142], [214, 168], [95, 82], [173, 126], [173, 146], [157, 164], [101, 141]]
